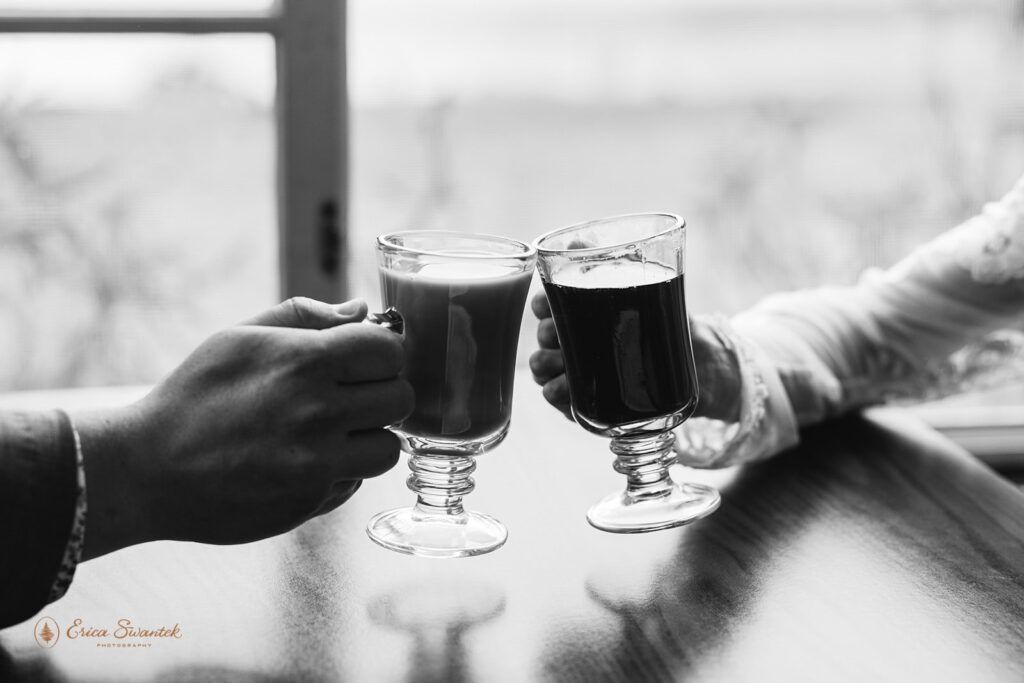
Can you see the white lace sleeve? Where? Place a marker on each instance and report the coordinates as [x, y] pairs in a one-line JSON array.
[[938, 322], [766, 422]]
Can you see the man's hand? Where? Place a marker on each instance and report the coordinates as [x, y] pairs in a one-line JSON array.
[[265, 425]]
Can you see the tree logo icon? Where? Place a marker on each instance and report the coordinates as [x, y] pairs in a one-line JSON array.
[[47, 632]]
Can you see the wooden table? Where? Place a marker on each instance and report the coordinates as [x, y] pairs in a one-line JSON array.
[[875, 551]]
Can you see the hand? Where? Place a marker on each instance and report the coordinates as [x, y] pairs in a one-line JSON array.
[[547, 364], [264, 426], [717, 371]]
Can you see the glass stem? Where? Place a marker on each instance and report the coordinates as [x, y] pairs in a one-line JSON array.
[[645, 461], [440, 482]]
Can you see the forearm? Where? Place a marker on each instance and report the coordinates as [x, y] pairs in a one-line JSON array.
[[919, 330]]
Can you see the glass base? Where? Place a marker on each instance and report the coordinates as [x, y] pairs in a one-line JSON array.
[[682, 504], [406, 530]]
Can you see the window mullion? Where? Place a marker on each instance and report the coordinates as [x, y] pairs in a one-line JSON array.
[[312, 148]]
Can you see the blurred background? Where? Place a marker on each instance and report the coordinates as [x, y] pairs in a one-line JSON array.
[[803, 141]]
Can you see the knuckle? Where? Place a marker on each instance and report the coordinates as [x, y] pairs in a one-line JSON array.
[[306, 414], [539, 305], [299, 306], [547, 363], [305, 467], [555, 391], [537, 366], [547, 335], [229, 336], [371, 353]]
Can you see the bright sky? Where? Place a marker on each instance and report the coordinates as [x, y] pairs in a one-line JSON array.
[[99, 70], [102, 70], [573, 49]]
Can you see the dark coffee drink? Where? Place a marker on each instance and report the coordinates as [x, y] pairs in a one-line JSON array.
[[461, 333], [626, 341]]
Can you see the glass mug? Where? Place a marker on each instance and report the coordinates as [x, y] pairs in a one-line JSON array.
[[461, 298], [617, 296]]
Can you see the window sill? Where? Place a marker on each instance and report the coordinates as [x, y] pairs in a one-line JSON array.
[[994, 433]]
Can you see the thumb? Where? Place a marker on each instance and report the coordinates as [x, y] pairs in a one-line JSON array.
[[310, 314]]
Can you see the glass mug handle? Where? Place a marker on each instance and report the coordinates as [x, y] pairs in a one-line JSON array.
[[390, 319]]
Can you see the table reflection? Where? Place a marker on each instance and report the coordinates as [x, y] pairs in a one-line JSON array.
[[874, 547], [438, 614], [674, 612]]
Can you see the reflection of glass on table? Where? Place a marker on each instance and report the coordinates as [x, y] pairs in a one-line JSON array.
[[437, 614], [461, 298]]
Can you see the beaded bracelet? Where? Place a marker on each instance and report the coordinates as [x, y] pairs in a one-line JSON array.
[[73, 549]]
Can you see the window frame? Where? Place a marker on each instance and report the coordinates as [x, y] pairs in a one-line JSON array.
[[311, 116]]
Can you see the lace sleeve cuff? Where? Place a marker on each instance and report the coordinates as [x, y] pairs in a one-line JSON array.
[[766, 422], [73, 550]]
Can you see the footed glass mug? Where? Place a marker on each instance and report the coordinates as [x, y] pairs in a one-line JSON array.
[[617, 296], [461, 298]]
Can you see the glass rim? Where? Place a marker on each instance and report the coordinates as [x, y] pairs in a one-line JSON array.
[[678, 223], [528, 249]]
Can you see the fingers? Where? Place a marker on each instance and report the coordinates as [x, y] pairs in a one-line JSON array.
[[363, 353], [310, 314], [547, 337], [340, 492], [556, 392], [364, 454], [546, 364], [371, 404], [540, 306]]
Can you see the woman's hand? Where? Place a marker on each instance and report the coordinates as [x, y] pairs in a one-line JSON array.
[[547, 364], [265, 425], [717, 371]]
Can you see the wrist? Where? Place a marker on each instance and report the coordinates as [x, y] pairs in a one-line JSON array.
[[718, 373], [115, 493]]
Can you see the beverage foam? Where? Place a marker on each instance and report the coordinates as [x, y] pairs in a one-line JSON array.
[[612, 275], [469, 270]]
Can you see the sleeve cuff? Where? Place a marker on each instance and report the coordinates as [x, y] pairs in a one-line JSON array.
[[37, 507], [766, 424]]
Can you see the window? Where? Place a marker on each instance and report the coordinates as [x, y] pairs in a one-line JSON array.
[[802, 141], [150, 154]]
